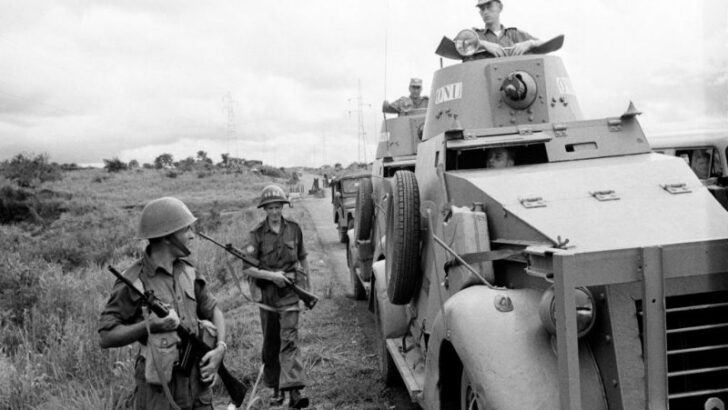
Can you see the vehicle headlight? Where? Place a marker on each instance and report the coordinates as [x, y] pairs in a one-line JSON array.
[[467, 43], [585, 310]]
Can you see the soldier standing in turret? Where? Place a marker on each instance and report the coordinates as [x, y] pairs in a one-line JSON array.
[[494, 37], [404, 105], [277, 242]]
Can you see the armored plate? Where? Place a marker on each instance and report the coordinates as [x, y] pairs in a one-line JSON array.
[[607, 203]]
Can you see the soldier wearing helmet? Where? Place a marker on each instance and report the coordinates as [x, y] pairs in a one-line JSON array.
[[495, 38], [404, 105], [166, 223], [277, 242]]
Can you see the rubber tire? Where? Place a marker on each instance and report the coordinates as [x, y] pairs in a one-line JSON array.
[[387, 368], [356, 287], [364, 210], [403, 239]]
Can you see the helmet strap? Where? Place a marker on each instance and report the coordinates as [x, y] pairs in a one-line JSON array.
[[179, 245]]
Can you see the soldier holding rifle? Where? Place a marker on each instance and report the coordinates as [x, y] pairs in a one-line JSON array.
[[160, 382], [277, 242]]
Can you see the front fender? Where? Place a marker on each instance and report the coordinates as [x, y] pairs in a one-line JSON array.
[[393, 317], [507, 355]]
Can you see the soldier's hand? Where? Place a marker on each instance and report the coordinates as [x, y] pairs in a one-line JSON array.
[[163, 324], [493, 48], [209, 364], [522, 47], [280, 279]]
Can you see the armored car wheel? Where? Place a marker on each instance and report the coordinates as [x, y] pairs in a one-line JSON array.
[[364, 210], [403, 239], [357, 288]]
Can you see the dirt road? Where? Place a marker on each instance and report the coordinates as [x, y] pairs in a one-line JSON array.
[[343, 327]]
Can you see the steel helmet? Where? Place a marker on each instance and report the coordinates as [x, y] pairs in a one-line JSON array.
[[162, 217], [271, 194]]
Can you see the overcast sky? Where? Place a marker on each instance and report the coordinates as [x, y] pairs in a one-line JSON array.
[[84, 80]]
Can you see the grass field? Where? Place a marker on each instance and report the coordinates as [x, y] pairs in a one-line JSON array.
[[53, 283]]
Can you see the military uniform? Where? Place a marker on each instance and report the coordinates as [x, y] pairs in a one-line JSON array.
[[185, 291], [404, 105], [508, 36], [280, 251]]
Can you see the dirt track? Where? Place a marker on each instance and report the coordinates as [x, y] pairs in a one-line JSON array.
[[329, 255]]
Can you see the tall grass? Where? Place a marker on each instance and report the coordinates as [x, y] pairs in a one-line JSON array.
[[53, 284]]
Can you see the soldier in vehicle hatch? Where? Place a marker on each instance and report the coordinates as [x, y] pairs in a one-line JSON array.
[[496, 38], [404, 105], [500, 158]]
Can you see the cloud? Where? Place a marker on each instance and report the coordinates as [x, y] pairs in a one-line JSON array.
[[85, 80]]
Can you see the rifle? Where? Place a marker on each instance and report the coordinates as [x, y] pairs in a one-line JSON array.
[[308, 298], [194, 347]]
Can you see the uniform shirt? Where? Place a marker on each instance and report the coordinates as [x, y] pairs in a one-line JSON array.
[[184, 290], [280, 251], [404, 105], [277, 251], [508, 36]]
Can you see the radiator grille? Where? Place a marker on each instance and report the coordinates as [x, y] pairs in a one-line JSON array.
[[697, 348]]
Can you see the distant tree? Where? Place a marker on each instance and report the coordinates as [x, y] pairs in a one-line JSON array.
[[133, 164], [337, 166], [28, 171], [147, 165], [225, 159], [164, 161], [115, 165], [70, 166], [187, 164]]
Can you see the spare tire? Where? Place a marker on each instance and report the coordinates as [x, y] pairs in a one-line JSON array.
[[403, 239], [364, 210]]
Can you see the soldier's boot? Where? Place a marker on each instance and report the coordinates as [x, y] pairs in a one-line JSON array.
[[297, 401], [277, 398]]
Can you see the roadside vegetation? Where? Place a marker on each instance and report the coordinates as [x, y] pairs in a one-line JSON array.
[[58, 234]]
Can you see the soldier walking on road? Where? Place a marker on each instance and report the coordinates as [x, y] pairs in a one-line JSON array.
[[404, 105], [160, 385], [277, 242]]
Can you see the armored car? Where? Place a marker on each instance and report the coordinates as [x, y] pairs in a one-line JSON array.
[[535, 259]]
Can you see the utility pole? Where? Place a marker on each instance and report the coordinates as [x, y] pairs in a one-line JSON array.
[[361, 131], [228, 106]]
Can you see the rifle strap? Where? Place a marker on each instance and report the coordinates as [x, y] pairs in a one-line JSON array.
[[152, 353]]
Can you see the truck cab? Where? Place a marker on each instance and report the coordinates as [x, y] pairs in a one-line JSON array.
[[705, 151]]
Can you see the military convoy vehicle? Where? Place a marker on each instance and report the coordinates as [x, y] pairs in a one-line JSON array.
[[591, 274], [343, 199], [396, 151], [705, 151]]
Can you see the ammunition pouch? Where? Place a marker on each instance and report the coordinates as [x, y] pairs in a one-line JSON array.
[[161, 353]]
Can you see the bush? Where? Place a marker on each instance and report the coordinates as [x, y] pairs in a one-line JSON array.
[[27, 171], [115, 165], [272, 171], [25, 205]]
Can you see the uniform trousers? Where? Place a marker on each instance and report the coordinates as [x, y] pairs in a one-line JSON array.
[[281, 355]]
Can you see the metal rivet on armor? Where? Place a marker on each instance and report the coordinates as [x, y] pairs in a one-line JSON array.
[[615, 383], [608, 339], [503, 303]]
